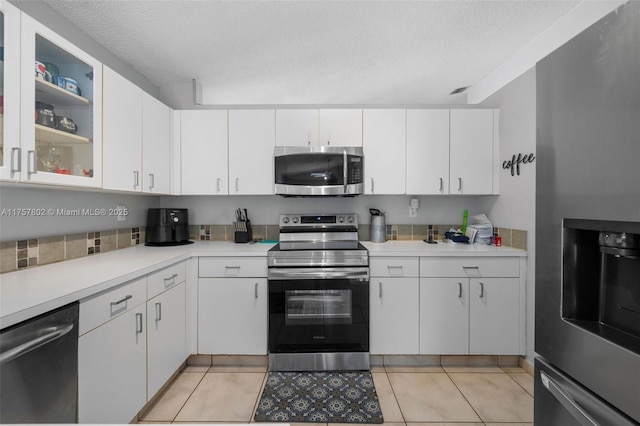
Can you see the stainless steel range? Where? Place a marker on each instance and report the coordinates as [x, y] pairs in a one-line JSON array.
[[318, 295]]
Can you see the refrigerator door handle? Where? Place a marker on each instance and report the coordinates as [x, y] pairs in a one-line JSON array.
[[567, 401]]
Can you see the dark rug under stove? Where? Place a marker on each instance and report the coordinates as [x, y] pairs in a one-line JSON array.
[[319, 397]]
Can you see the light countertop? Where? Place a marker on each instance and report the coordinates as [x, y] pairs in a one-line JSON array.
[[31, 292]]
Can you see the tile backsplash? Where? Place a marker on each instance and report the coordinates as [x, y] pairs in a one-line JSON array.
[[23, 254]]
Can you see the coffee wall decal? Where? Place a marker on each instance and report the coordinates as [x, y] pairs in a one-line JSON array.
[[514, 163]]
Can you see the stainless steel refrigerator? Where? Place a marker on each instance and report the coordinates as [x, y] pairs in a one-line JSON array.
[[587, 306]]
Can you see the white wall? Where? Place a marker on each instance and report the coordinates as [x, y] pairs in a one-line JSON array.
[[515, 208], [22, 226], [265, 209]]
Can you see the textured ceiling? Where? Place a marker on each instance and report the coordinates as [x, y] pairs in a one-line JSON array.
[[315, 52]]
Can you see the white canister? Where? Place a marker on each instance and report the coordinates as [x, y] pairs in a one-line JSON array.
[[378, 229]]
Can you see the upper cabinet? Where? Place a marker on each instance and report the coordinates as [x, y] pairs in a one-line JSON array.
[[340, 127], [10, 159], [296, 127], [427, 151], [325, 127], [384, 143], [472, 142], [251, 143], [204, 152], [137, 138], [63, 86], [156, 146], [452, 152]]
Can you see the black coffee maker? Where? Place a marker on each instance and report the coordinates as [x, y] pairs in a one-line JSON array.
[[167, 227]]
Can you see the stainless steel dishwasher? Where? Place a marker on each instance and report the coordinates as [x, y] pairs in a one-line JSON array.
[[39, 369]]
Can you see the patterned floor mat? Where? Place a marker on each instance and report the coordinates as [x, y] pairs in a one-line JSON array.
[[319, 397]]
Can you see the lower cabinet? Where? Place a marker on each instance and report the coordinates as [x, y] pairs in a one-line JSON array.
[[395, 305], [112, 368], [232, 316], [394, 315], [166, 324], [132, 339], [472, 306]]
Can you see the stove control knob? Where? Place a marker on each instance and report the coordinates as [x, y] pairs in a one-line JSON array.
[[285, 220], [296, 219], [340, 219], [351, 219]]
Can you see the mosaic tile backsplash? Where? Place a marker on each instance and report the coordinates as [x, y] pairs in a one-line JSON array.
[[22, 254]]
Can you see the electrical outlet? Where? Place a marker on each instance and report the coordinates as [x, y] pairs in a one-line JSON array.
[[413, 212], [413, 207], [122, 213]]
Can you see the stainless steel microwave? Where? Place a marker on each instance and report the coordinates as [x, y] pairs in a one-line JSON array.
[[318, 171]]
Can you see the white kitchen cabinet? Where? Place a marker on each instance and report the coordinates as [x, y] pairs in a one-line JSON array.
[[232, 316], [427, 171], [10, 148], [297, 127], [251, 144], [340, 127], [156, 146], [384, 144], [112, 360], [394, 304], [166, 325], [494, 312], [48, 154], [472, 157], [472, 305], [444, 316], [137, 138], [122, 133], [204, 152]]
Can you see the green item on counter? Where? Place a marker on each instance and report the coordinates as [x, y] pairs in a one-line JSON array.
[[269, 242], [465, 216]]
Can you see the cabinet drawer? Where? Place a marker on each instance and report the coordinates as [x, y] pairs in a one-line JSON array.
[[110, 304], [469, 267], [393, 267], [165, 278], [232, 267]]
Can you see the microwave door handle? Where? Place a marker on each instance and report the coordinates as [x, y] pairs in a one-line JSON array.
[[344, 171]]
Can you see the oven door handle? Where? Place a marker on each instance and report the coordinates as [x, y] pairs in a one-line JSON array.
[[318, 273]]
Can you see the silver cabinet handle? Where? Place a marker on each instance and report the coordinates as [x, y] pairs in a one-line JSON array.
[[138, 323], [237, 187], [158, 311], [459, 290], [152, 181], [124, 299], [15, 153], [32, 168], [441, 184], [53, 333], [380, 289], [372, 185], [255, 290], [172, 277], [136, 179], [481, 290], [218, 185], [460, 184]]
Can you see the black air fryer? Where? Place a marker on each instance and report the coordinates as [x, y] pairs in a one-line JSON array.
[[167, 227]]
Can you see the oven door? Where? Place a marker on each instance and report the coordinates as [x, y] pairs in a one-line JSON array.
[[314, 310]]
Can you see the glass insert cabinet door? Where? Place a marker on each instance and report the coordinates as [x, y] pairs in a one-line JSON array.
[[10, 160], [61, 110]]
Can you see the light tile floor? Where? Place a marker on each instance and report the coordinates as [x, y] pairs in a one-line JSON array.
[[411, 396]]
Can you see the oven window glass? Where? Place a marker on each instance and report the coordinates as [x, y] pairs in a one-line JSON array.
[[310, 169], [316, 307]]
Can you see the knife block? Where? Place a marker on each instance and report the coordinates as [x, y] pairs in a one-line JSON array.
[[243, 232]]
